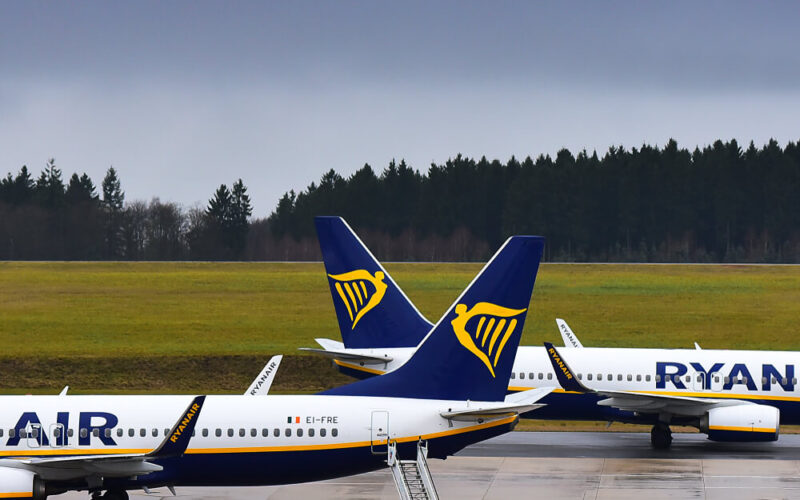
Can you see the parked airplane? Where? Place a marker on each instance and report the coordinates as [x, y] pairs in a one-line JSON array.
[[450, 393], [729, 395]]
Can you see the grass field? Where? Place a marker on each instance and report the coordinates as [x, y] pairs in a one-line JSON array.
[[210, 326]]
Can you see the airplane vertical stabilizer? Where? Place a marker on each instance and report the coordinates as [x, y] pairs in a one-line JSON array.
[[469, 353], [372, 311]]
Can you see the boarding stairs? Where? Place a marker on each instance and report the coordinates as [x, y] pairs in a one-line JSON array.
[[412, 477]]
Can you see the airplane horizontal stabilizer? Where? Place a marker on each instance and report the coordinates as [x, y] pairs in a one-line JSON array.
[[518, 403], [348, 356]]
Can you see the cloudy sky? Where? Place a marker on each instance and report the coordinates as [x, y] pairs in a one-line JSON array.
[[182, 96]]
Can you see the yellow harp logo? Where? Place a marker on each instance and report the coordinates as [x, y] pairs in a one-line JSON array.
[[360, 292], [494, 327]]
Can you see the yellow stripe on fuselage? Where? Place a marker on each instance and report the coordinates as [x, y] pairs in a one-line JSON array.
[[706, 395], [21, 494], [740, 429]]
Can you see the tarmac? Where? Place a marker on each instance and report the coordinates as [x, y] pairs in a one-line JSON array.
[[575, 465]]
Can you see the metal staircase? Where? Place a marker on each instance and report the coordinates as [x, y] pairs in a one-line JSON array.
[[412, 477]]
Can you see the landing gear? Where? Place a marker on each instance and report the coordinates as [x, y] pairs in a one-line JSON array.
[[661, 436]]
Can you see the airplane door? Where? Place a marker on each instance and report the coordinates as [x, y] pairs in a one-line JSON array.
[[380, 431]]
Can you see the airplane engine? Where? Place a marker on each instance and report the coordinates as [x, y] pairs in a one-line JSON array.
[[21, 483], [748, 422]]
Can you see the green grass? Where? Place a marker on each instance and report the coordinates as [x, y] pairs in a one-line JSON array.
[[71, 316]]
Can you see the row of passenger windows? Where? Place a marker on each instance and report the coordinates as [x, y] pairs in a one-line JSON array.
[[647, 378], [287, 432]]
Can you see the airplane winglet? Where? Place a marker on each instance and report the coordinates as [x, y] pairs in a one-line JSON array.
[[262, 383], [176, 442], [566, 377], [570, 339]]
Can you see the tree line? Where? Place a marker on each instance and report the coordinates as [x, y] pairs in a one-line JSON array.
[[49, 219], [649, 204], [721, 203]]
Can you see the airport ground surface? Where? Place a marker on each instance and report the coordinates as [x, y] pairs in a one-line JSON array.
[[563, 466]]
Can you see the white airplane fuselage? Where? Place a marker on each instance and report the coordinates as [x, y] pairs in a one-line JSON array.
[[238, 440], [761, 377]]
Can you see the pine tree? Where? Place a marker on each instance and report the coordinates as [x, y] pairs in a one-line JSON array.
[[113, 201]]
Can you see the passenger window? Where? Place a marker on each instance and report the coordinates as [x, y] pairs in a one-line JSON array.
[[108, 433], [599, 377], [311, 432], [727, 379], [12, 433], [288, 432], [630, 377], [638, 378], [205, 432], [253, 433], [218, 433], [264, 432], [744, 380], [589, 376], [619, 377], [142, 432], [84, 432], [513, 375], [276, 432], [580, 377], [658, 378], [688, 378], [716, 378], [322, 432], [230, 432], [794, 381], [550, 376], [300, 432], [166, 432], [647, 378], [541, 376], [764, 380], [155, 432], [1, 433], [241, 433], [35, 433], [521, 375], [334, 432], [699, 378], [610, 377], [119, 432], [783, 380], [96, 432]]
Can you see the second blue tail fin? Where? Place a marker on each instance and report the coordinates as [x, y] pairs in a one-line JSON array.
[[372, 310], [469, 353]]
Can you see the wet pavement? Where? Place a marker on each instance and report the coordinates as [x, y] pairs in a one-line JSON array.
[[730, 472]]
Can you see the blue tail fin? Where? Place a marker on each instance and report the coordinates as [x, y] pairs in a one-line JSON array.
[[372, 310], [470, 352]]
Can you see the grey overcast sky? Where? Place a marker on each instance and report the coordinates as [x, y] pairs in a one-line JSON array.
[[182, 96]]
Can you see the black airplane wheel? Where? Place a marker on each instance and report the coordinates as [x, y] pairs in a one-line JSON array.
[[661, 436], [116, 495]]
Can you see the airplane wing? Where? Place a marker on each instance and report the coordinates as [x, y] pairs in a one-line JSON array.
[[630, 400], [570, 339], [517, 403], [262, 383], [120, 465], [336, 350]]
